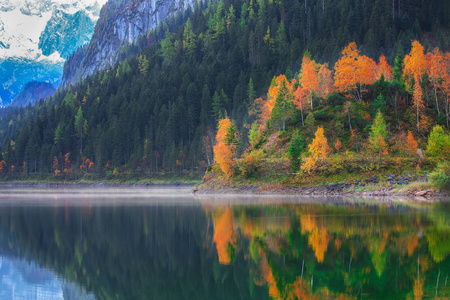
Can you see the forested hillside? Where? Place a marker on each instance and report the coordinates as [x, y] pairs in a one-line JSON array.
[[158, 111]]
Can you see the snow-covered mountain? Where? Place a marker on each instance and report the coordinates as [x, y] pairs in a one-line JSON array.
[[36, 36]]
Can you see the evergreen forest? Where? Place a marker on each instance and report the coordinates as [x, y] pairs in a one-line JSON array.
[[157, 110]]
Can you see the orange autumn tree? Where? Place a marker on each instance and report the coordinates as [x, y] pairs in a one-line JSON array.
[[225, 147], [299, 100], [282, 90], [67, 164], [318, 150], [338, 145], [436, 69], [446, 85], [353, 71], [3, 167], [326, 82], [262, 107], [55, 166], [384, 69], [308, 77], [415, 66], [410, 147]]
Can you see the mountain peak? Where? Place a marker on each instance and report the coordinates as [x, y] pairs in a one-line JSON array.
[[37, 37]]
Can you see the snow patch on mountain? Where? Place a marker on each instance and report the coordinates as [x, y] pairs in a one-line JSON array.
[[36, 37], [23, 21]]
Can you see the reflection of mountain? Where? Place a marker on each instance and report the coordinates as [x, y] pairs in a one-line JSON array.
[[23, 280], [237, 252]]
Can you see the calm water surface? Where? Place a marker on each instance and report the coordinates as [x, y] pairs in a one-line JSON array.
[[167, 244]]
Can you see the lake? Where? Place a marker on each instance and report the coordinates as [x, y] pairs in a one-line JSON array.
[[165, 243]]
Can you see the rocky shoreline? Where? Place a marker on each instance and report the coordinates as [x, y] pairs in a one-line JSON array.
[[391, 188], [326, 190]]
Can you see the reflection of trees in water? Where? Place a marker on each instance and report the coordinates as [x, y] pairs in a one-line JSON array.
[[128, 252], [344, 251], [246, 252]]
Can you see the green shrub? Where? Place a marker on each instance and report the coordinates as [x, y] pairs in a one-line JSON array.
[[438, 143], [251, 163], [440, 177]]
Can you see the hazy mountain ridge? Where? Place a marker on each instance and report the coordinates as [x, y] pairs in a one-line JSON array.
[[32, 92]]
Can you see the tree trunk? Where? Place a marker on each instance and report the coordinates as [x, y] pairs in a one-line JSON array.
[[417, 112], [435, 95], [303, 123], [446, 111], [350, 123], [393, 10]]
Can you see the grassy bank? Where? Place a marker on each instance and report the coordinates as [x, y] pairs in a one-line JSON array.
[[40, 179]]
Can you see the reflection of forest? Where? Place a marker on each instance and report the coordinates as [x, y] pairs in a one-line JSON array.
[[343, 252], [128, 252], [238, 252]]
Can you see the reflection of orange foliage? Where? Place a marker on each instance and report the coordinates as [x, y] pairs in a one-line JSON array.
[[300, 291], [318, 240], [223, 235], [268, 276], [418, 289], [383, 242], [412, 241], [338, 244], [344, 297], [308, 223]]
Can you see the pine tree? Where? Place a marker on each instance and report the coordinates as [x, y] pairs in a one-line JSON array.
[[294, 151], [377, 137]]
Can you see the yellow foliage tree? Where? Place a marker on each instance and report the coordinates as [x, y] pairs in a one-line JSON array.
[[415, 66], [318, 149]]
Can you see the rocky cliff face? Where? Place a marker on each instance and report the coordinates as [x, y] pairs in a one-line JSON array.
[[120, 23]]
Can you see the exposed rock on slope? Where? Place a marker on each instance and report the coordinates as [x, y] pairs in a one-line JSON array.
[[120, 23]]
